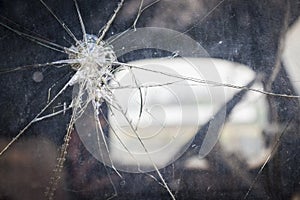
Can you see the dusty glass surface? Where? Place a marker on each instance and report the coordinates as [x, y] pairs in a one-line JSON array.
[[149, 99]]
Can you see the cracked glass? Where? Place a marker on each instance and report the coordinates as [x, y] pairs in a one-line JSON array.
[[146, 99]]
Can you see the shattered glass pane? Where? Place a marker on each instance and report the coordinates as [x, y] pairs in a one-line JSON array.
[[149, 99]]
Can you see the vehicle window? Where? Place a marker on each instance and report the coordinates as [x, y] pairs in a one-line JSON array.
[[149, 99]]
